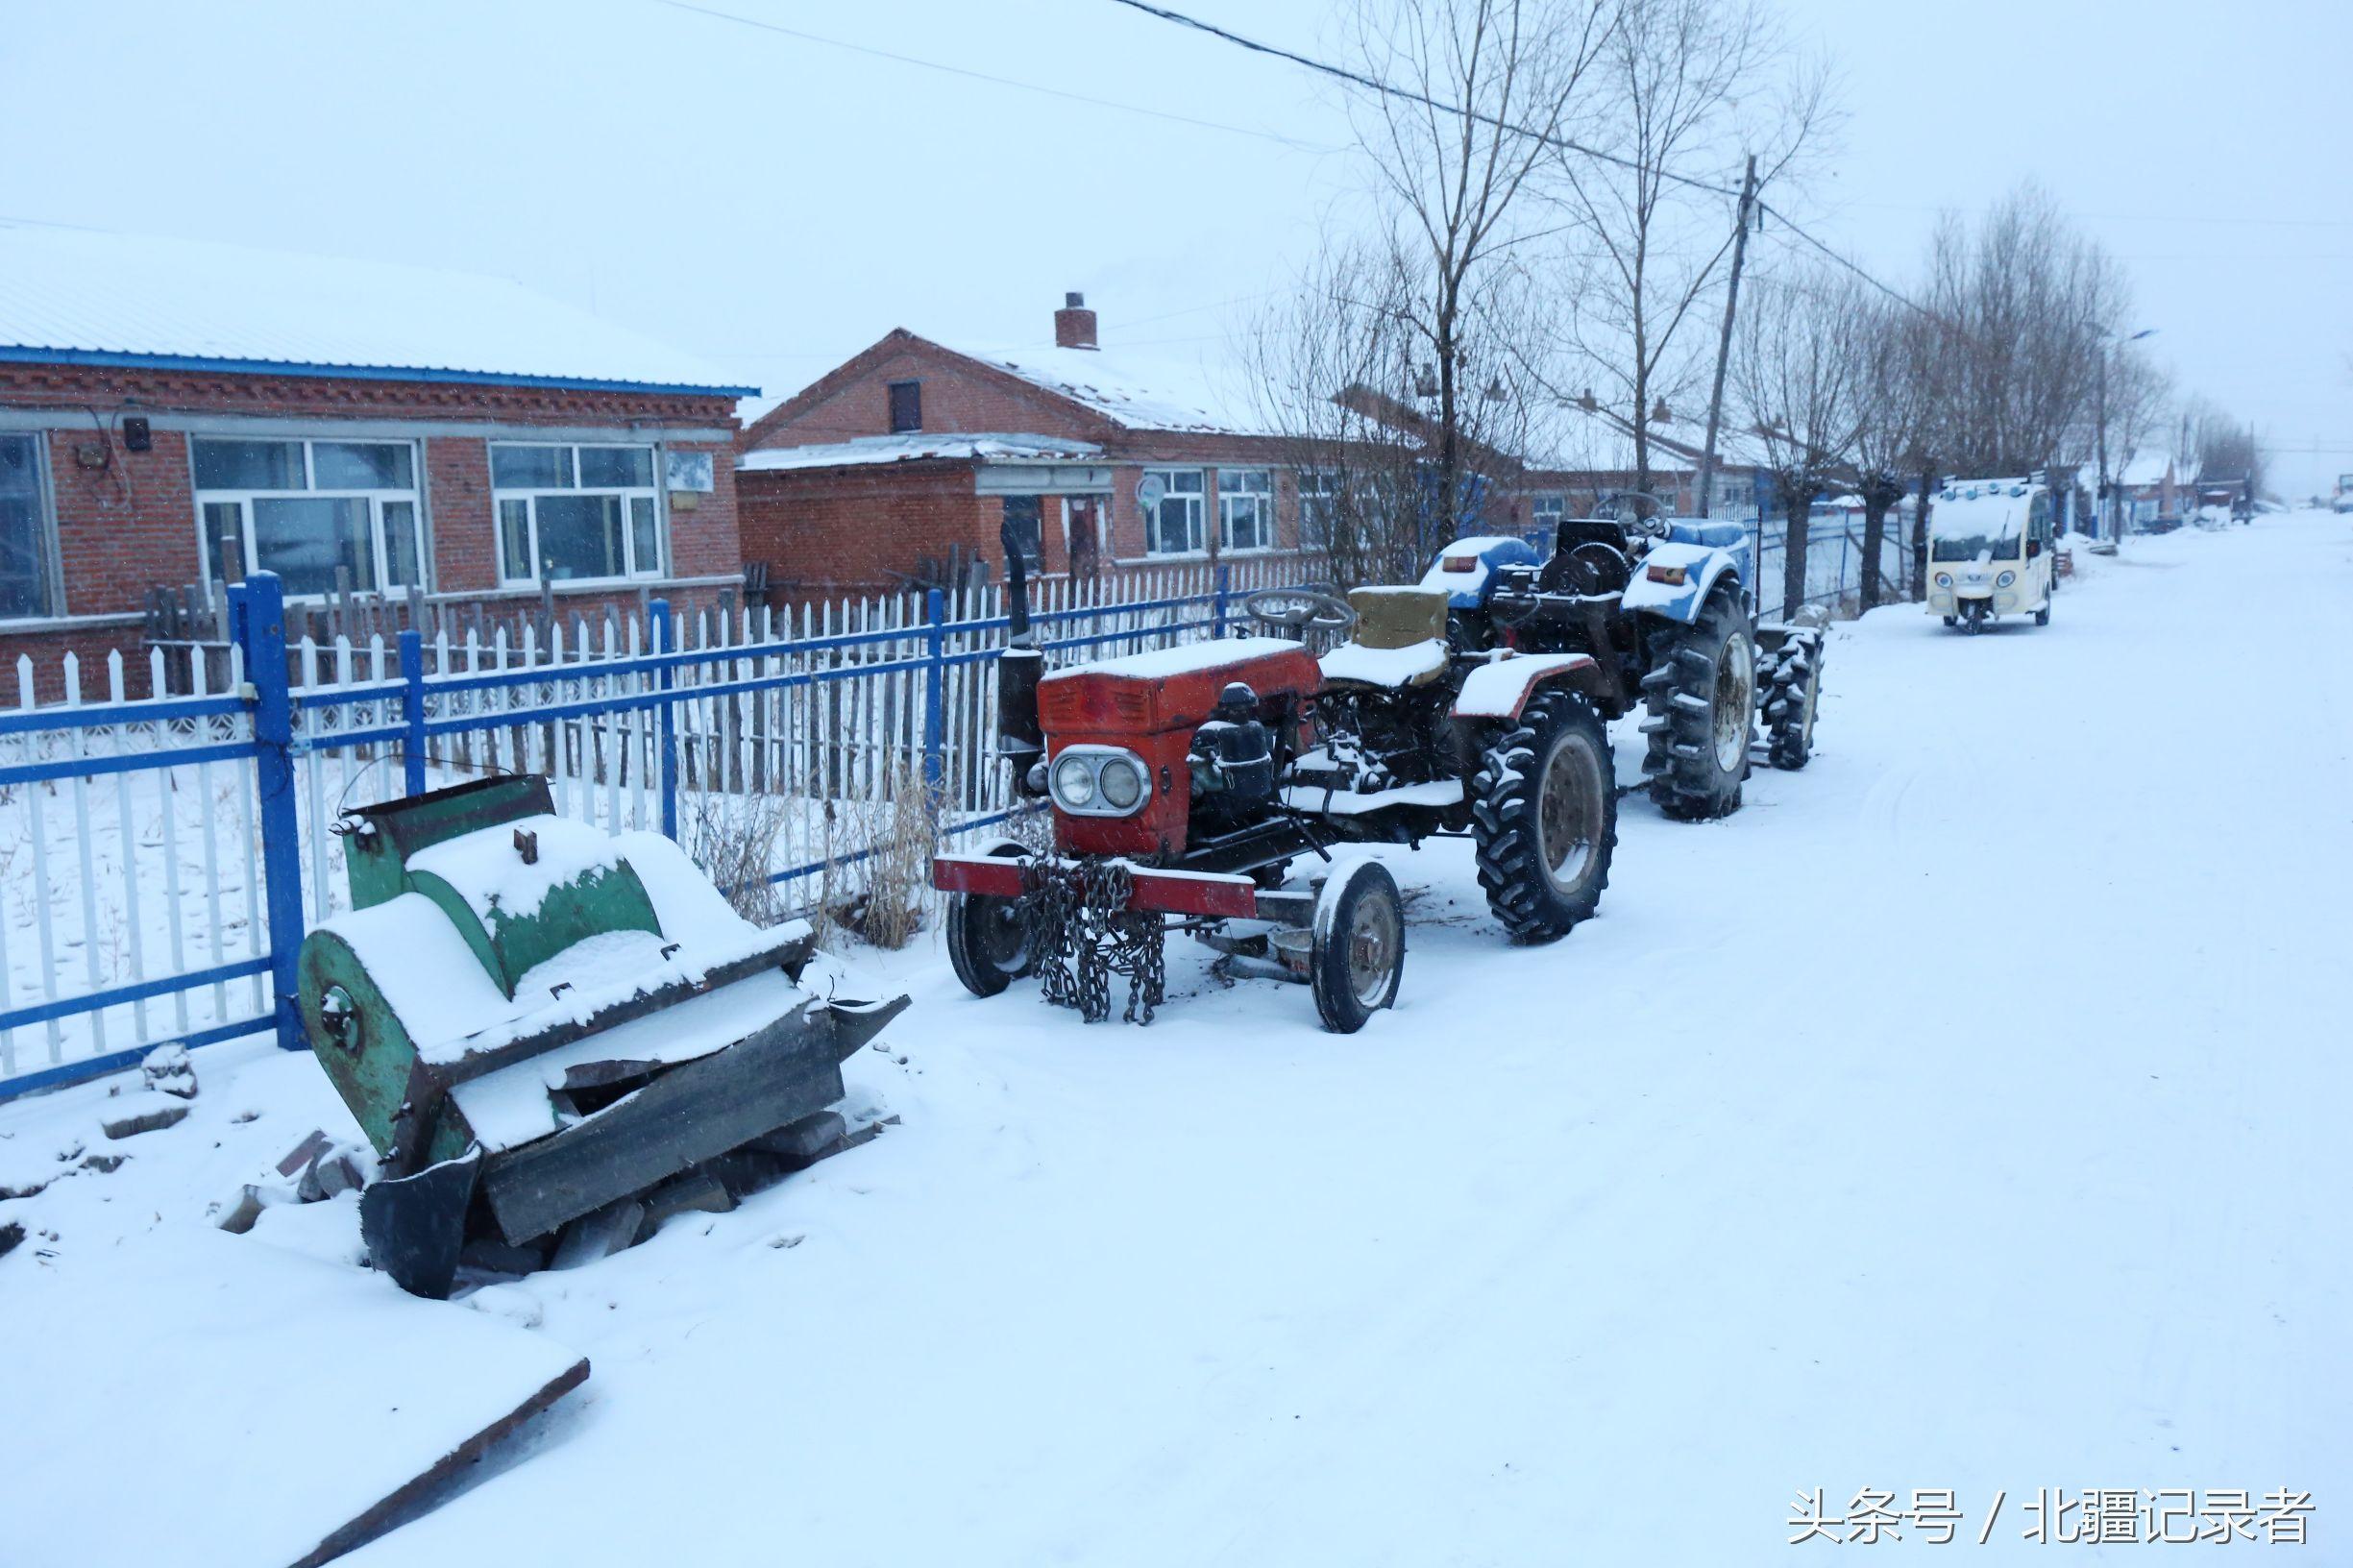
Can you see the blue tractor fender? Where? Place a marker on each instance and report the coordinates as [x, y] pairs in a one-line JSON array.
[[1674, 581], [1465, 570]]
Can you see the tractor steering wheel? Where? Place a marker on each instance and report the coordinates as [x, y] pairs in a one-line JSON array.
[[1299, 610]]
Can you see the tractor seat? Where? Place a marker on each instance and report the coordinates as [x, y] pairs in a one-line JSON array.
[[1400, 639], [1714, 536]]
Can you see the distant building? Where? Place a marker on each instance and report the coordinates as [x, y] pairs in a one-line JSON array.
[[2152, 486], [176, 415], [1579, 454], [906, 461]]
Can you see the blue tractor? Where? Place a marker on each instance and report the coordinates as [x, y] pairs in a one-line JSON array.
[[1666, 608]]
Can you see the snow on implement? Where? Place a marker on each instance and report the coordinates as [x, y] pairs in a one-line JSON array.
[[1183, 783], [543, 1028]]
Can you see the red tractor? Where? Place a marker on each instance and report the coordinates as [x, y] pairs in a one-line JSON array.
[[1185, 782]]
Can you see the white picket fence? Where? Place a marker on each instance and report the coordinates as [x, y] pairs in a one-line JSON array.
[[796, 733]]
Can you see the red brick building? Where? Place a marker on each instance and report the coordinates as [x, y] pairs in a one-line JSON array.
[[174, 413], [914, 450]]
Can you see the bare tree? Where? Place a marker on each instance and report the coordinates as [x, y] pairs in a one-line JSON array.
[[1459, 178], [2030, 307], [1895, 402], [1333, 366], [2226, 449], [1689, 85], [1798, 375]]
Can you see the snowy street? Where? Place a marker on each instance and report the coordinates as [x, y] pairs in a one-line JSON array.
[[1964, 1114]]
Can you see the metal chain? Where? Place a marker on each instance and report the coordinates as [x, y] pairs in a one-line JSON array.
[[1084, 932]]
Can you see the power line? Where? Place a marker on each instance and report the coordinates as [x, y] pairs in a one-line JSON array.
[[1373, 84], [984, 76]]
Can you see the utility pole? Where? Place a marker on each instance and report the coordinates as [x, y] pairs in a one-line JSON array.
[[1724, 344], [2100, 426]]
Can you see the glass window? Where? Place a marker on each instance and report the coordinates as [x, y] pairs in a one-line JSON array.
[[531, 468], [576, 513], [1247, 508], [362, 465], [1318, 494], [24, 529], [616, 468], [224, 522], [906, 406], [1024, 515], [515, 539], [1172, 523], [304, 539], [324, 515], [400, 544], [250, 465], [1549, 509], [644, 540], [579, 536]]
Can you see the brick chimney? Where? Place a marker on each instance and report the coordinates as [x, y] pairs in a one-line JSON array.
[[1074, 323]]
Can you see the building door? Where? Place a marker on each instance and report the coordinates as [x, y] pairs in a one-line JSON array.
[[1085, 524]]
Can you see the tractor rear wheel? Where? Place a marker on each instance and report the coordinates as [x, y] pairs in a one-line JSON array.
[[1702, 699], [1544, 814], [988, 937], [1791, 700], [1358, 946]]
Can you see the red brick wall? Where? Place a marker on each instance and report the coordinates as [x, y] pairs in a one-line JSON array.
[[845, 531], [126, 521], [804, 518]]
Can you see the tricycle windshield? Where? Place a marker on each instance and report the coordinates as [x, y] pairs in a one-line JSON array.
[[1990, 519], [1969, 547]]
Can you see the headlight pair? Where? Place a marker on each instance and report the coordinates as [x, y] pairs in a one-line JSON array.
[[1100, 781]]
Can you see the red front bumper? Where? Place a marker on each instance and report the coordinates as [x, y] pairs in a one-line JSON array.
[[1171, 892]]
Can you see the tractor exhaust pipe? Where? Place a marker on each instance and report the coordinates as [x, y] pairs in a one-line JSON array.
[[1018, 735]]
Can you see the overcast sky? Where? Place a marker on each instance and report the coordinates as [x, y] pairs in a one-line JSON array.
[[775, 203]]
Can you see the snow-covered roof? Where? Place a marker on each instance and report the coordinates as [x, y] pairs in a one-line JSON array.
[[2148, 468], [1981, 508], [78, 297], [1140, 394], [916, 447]]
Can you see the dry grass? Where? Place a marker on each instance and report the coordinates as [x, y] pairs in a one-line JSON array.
[[877, 858], [733, 838]]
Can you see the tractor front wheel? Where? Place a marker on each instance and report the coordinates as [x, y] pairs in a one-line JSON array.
[[988, 937], [1702, 699], [1358, 952], [1544, 815]]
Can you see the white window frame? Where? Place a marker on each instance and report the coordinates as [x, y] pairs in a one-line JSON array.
[[1549, 507], [375, 498], [44, 529], [1196, 522], [1263, 509], [634, 570]]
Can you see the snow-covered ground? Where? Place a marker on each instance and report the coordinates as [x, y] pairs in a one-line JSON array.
[[1966, 1114]]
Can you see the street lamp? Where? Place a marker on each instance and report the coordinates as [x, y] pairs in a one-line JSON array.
[[2109, 341]]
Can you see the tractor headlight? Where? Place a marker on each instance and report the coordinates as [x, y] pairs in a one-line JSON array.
[[1121, 783], [1943, 579], [1073, 783], [2005, 579], [1100, 781]]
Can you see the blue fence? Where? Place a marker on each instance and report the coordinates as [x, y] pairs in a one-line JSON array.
[[685, 727]]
